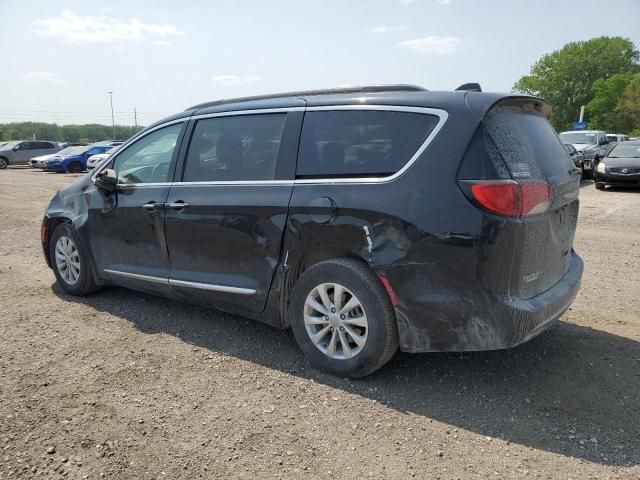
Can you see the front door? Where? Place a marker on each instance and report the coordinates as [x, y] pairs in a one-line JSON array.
[[126, 228], [225, 219]]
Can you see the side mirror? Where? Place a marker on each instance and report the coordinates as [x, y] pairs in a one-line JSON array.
[[107, 180]]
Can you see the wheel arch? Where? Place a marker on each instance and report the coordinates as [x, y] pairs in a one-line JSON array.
[[296, 266]]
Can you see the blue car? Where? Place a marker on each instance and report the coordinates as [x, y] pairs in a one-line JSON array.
[[74, 159]]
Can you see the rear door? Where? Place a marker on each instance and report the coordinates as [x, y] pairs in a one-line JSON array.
[[225, 218]]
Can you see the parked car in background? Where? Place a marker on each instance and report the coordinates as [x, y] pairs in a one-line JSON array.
[[617, 137], [591, 143], [576, 156], [75, 158], [353, 216], [95, 160], [38, 162], [621, 167], [19, 153]]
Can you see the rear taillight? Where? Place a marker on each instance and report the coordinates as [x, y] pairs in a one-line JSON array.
[[511, 198]]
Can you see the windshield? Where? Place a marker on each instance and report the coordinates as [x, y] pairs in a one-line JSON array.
[[9, 145], [578, 137], [111, 150], [612, 138], [626, 150]]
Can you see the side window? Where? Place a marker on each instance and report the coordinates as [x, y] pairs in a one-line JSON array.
[[24, 146], [242, 147], [45, 146], [147, 160], [351, 143]]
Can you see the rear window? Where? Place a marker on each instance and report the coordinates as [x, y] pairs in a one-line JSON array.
[[526, 142], [351, 143]]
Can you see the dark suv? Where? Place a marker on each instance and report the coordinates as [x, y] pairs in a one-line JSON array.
[[364, 218]]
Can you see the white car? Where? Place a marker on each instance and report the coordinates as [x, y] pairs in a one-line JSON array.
[[38, 162], [96, 160]]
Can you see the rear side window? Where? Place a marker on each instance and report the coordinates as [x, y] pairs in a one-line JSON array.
[[242, 147], [527, 142], [352, 143]]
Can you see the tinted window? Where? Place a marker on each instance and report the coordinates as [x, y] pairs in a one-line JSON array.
[[360, 142], [25, 146], [243, 147], [147, 160], [527, 143]]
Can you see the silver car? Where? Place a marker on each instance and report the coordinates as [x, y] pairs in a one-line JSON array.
[[19, 153]]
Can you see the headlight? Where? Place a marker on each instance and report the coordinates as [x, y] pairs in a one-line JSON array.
[[602, 167]]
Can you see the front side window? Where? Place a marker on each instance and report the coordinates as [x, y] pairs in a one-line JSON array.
[[147, 160], [237, 148], [351, 143]]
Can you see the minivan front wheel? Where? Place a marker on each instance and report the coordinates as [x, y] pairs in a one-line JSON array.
[[69, 262], [342, 318]]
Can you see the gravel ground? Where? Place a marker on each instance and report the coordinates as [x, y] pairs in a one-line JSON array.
[[126, 385]]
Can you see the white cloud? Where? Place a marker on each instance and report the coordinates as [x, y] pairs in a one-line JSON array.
[[44, 77], [88, 29], [443, 2], [162, 43], [407, 2], [386, 29], [432, 44], [235, 80]]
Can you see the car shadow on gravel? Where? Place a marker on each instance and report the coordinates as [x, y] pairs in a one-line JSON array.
[[572, 391]]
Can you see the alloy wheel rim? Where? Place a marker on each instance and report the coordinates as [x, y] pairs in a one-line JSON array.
[[335, 321], [3, 163], [67, 260]]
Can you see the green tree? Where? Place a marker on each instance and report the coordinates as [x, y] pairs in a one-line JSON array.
[[565, 78], [64, 133], [601, 110], [628, 108]]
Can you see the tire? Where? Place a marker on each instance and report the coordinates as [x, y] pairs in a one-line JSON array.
[[380, 334], [79, 281], [599, 186], [3, 163], [75, 167]]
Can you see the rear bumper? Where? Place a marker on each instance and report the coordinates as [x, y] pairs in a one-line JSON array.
[[477, 321]]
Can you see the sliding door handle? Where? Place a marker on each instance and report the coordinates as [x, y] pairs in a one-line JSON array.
[[152, 206], [179, 205]]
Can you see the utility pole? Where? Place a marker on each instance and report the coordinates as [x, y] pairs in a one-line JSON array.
[[581, 113], [113, 121], [135, 118]]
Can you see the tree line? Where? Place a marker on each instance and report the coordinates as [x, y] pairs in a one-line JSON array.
[[86, 133], [603, 74]]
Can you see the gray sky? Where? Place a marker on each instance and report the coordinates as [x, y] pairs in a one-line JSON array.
[[59, 58]]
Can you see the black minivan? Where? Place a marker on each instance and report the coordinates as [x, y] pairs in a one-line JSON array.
[[365, 219]]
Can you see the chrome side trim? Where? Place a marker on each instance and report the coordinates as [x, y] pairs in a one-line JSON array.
[[208, 286], [441, 114], [137, 276], [257, 111], [442, 118], [182, 283]]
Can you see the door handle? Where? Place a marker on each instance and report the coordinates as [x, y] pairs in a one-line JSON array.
[[179, 205], [152, 206]]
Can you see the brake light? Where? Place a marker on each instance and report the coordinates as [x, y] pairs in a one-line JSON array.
[[43, 232], [511, 198]]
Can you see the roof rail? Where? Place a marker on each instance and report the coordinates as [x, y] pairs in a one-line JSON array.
[[470, 87], [307, 93]]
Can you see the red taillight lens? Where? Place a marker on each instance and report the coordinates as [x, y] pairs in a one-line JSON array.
[[511, 198]]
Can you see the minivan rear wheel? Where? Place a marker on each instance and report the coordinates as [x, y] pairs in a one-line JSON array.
[[70, 263], [342, 318]]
